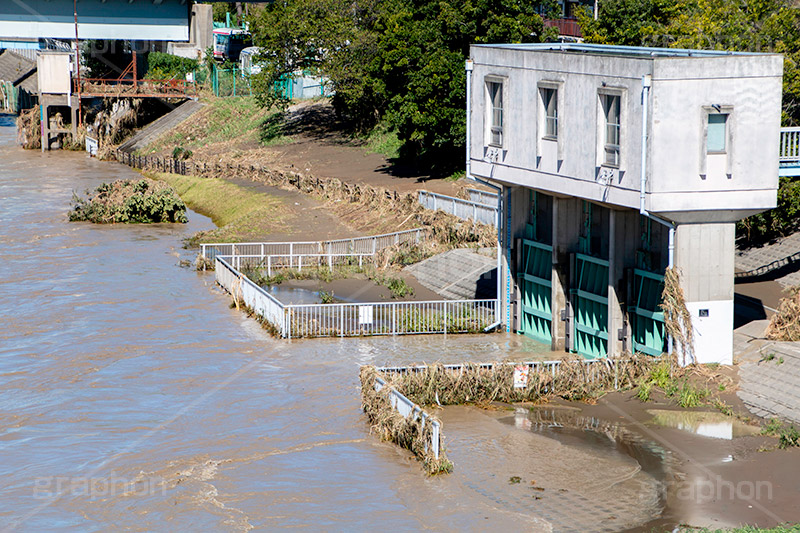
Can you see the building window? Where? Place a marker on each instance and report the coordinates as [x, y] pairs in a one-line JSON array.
[[611, 113], [717, 133], [496, 113], [550, 106]]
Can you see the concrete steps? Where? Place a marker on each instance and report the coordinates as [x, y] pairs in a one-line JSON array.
[[460, 274], [161, 125], [772, 388]]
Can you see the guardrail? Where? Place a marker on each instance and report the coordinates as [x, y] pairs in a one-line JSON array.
[[483, 197], [790, 145], [274, 262], [407, 408], [463, 209], [255, 297], [353, 246], [355, 319], [389, 318]]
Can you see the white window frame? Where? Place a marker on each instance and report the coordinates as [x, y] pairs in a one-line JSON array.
[[730, 122], [492, 129], [549, 107], [602, 128], [541, 122]]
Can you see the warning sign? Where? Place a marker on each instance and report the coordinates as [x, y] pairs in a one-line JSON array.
[[521, 376]]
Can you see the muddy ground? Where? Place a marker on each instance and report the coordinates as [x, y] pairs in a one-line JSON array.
[[687, 467]]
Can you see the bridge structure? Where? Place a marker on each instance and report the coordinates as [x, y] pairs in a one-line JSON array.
[[790, 152]]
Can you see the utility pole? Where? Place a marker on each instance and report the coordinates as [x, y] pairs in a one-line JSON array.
[[78, 64]]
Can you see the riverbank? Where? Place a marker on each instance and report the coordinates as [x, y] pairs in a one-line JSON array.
[[308, 138]]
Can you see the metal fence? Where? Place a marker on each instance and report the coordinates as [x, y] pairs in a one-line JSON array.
[[389, 318], [356, 319], [463, 209], [407, 408], [274, 262], [483, 197], [291, 254], [245, 291], [790, 145], [594, 368]]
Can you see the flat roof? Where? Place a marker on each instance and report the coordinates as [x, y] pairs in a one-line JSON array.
[[642, 52]]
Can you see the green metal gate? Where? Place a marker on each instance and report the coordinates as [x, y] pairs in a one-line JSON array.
[[535, 283], [647, 319], [590, 305]]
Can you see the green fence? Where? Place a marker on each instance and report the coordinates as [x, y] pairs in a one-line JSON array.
[[237, 82], [590, 304], [647, 319], [535, 283]]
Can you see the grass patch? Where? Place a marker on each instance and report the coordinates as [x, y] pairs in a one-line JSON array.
[[788, 436], [241, 214], [383, 140], [222, 119]]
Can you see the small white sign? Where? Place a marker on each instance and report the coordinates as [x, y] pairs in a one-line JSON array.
[[364, 315], [521, 376]]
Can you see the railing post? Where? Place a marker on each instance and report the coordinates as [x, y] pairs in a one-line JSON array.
[[394, 319], [269, 265], [341, 320], [444, 324]]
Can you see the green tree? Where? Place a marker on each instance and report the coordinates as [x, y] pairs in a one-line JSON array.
[[401, 61]]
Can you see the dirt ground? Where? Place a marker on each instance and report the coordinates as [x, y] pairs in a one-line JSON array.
[[314, 141]]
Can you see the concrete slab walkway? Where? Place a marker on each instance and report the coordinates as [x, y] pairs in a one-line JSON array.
[[770, 387]]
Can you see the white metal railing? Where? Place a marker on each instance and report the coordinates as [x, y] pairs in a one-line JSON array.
[[353, 246], [356, 319], [389, 318], [483, 197], [463, 209], [255, 297], [790, 145], [272, 263], [594, 367], [407, 408]]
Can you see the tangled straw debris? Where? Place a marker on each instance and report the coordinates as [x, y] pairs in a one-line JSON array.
[[785, 324], [677, 318], [481, 384], [392, 426]]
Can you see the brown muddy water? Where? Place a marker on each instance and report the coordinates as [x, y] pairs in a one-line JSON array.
[[134, 398]]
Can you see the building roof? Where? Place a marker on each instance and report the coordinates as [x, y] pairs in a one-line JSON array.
[[18, 70], [618, 51]]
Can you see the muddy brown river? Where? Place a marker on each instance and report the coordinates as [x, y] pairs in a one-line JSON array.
[[134, 398]]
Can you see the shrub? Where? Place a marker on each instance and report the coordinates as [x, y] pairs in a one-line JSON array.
[[130, 201], [162, 66]]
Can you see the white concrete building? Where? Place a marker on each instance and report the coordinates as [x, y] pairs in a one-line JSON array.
[[604, 153]]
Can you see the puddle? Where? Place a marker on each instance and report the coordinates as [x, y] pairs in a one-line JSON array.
[[703, 423], [571, 427], [575, 472], [294, 296]]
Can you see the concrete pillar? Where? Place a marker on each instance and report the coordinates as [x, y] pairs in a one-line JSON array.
[[615, 273], [704, 256], [566, 230]]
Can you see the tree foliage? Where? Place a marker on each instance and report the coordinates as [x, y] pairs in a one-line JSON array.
[[401, 61], [738, 25]]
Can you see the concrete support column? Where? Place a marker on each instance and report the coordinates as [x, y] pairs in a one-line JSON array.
[[566, 231], [704, 256], [616, 265]]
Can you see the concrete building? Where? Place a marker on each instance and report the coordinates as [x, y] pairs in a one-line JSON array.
[[615, 163]]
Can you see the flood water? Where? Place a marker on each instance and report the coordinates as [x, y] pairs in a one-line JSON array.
[[133, 397]]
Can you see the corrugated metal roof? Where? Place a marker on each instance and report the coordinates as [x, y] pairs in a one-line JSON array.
[[19, 70]]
